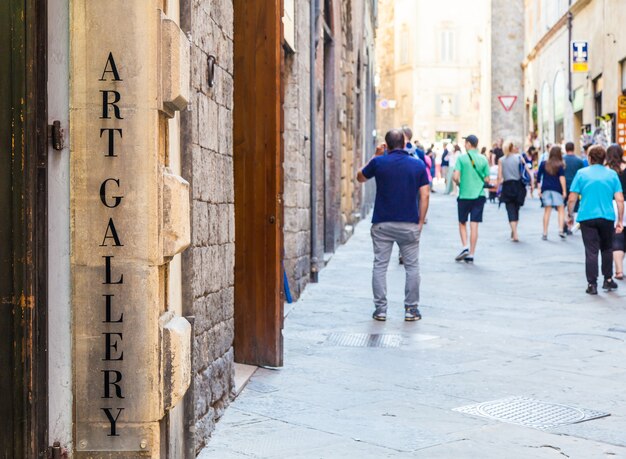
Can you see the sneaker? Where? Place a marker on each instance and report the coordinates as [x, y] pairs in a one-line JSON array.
[[380, 314], [592, 289], [469, 260], [411, 313], [463, 255], [562, 235], [609, 284], [544, 237]]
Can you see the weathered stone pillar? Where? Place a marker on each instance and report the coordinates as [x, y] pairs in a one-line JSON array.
[[129, 215], [507, 51]]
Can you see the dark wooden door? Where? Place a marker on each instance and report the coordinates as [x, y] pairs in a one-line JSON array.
[[258, 160], [23, 375], [6, 252]]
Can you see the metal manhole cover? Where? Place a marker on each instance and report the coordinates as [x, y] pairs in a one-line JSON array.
[[363, 340], [531, 413]]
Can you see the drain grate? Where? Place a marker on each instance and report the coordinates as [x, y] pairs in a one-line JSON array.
[[531, 413], [363, 340]]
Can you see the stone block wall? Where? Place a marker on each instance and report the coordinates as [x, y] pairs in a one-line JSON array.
[[208, 265], [297, 165]]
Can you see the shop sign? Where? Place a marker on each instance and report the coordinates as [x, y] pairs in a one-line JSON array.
[[621, 121], [580, 56]]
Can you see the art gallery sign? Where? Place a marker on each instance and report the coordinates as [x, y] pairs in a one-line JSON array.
[[129, 216]]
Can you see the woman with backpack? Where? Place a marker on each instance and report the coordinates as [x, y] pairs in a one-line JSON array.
[[553, 191], [512, 170]]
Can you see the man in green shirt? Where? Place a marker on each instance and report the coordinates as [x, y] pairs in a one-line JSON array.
[[471, 172]]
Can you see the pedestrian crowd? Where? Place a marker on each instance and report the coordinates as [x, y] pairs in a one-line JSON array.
[[590, 190]]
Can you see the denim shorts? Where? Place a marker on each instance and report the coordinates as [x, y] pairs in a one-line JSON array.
[[552, 198]]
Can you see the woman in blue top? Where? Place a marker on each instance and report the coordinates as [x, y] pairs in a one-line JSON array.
[[551, 174]]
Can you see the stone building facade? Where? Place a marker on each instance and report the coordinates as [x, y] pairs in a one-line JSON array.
[[297, 165], [567, 105], [344, 114], [207, 163], [507, 50], [435, 74]]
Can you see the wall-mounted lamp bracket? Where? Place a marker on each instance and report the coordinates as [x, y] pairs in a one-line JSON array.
[[211, 71]]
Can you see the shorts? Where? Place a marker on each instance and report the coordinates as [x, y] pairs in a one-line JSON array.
[[619, 242], [552, 198], [471, 209]]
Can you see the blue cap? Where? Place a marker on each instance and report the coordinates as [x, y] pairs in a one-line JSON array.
[[472, 139]]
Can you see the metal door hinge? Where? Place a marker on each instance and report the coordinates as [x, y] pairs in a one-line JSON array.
[[56, 451], [55, 134]]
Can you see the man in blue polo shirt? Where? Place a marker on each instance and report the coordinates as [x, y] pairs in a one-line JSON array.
[[598, 186], [400, 181], [572, 165]]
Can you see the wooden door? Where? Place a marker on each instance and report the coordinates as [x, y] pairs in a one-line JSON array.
[[23, 376], [258, 159]]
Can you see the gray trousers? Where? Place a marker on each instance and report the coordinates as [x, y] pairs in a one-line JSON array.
[[407, 236]]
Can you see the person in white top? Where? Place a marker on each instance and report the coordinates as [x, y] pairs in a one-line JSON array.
[[452, 157]]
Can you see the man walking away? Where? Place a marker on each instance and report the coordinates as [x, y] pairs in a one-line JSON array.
[[445, 163], [497, 152], [408, 136], [471, 172], [598, 186], [572, 165], [400, 181]]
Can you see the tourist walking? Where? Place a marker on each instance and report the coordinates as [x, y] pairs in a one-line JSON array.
[[430, 153], [445, 163], [471, 174], [513, 192], [572, 165], [597, 186], [452, 158], [496, 153], [529, 158], [400, 208], [615, 161], [551, 175], [544, 156]]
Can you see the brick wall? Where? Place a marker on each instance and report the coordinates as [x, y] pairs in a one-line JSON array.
[[297, 163], [208, 265]]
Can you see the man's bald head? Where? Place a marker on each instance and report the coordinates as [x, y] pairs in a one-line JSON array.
[[395, 139]]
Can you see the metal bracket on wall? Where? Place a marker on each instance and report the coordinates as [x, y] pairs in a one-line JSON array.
[[55, 133], [56, 451], [211, 70]]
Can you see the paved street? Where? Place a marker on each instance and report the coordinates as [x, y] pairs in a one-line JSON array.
[[517, 323]]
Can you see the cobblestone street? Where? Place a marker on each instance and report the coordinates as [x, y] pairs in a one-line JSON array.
[[516, 323]]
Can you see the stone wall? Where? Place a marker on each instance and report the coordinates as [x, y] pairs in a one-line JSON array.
[[344, 109], [507, 79], [357, 106], [208, 265], [297, 165]]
